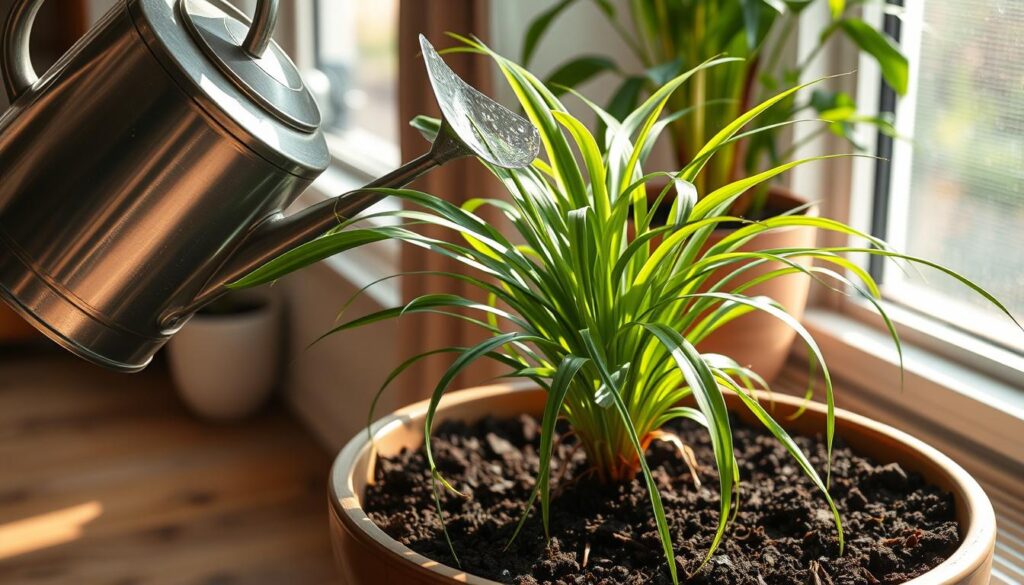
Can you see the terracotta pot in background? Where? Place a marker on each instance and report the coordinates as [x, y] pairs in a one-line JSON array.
[[367, 556], [758, 340], [226, 363]]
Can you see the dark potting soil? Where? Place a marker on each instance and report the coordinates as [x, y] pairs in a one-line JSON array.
[[897, 527]]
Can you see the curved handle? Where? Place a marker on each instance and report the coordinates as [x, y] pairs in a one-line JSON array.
[[16, 62], [262, 29]]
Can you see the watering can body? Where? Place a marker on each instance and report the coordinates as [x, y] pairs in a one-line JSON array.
[[136, 167], [150, 167]]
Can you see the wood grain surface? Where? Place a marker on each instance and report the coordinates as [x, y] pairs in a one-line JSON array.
[[106, 478]]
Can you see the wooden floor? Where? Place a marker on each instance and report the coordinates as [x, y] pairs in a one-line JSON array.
[[106, 479]]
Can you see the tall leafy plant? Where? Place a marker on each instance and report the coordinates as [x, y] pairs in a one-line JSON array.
[[605, 317], [671, 36]]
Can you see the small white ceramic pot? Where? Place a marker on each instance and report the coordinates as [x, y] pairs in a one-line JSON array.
[[226, 362]]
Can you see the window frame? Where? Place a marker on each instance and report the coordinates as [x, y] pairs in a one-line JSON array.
[[355, 151], [849, 185], [856, 205], [298, 34], [348, 169], [888, 188], [959, 392]]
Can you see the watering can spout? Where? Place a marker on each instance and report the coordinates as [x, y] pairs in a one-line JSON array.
[[166, 209], [471, 125], [279, 233]]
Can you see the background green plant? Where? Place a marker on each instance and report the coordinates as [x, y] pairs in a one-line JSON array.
[[671, 36], [603, 317]]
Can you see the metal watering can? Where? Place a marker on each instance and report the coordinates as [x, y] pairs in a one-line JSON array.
[[150, 166]]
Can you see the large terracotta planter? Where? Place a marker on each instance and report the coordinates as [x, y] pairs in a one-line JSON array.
[[758, 340], [367, 556]]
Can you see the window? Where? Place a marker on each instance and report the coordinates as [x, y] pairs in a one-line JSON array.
[[355, 80], [953, 188], [347, 51]]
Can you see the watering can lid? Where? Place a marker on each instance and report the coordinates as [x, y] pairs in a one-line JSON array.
[[262, 101]]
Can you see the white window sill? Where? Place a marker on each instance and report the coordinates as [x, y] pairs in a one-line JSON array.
[[976, 419]]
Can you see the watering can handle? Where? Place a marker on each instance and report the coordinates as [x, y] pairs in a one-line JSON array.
[[262, 28], [16, 64], [16, 60]]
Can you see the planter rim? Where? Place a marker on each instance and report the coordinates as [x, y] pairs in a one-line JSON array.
[[977, 540]]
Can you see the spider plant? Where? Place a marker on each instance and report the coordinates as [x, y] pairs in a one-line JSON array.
[[605, 318], [670, 36]]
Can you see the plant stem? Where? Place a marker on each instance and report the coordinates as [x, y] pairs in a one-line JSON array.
[[647, 56], [631, 40], [772, 64], [698, 88], [825, 36]]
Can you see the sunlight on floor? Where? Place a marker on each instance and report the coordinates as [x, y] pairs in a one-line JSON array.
[[46, 530]]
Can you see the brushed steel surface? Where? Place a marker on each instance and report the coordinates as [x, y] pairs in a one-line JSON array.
[[138, 179], [121, 195], [473, 125], [296, 148], [271, 79]]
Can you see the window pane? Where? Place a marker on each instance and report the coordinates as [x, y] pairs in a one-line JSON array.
[[962, 202], [357, 51]]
